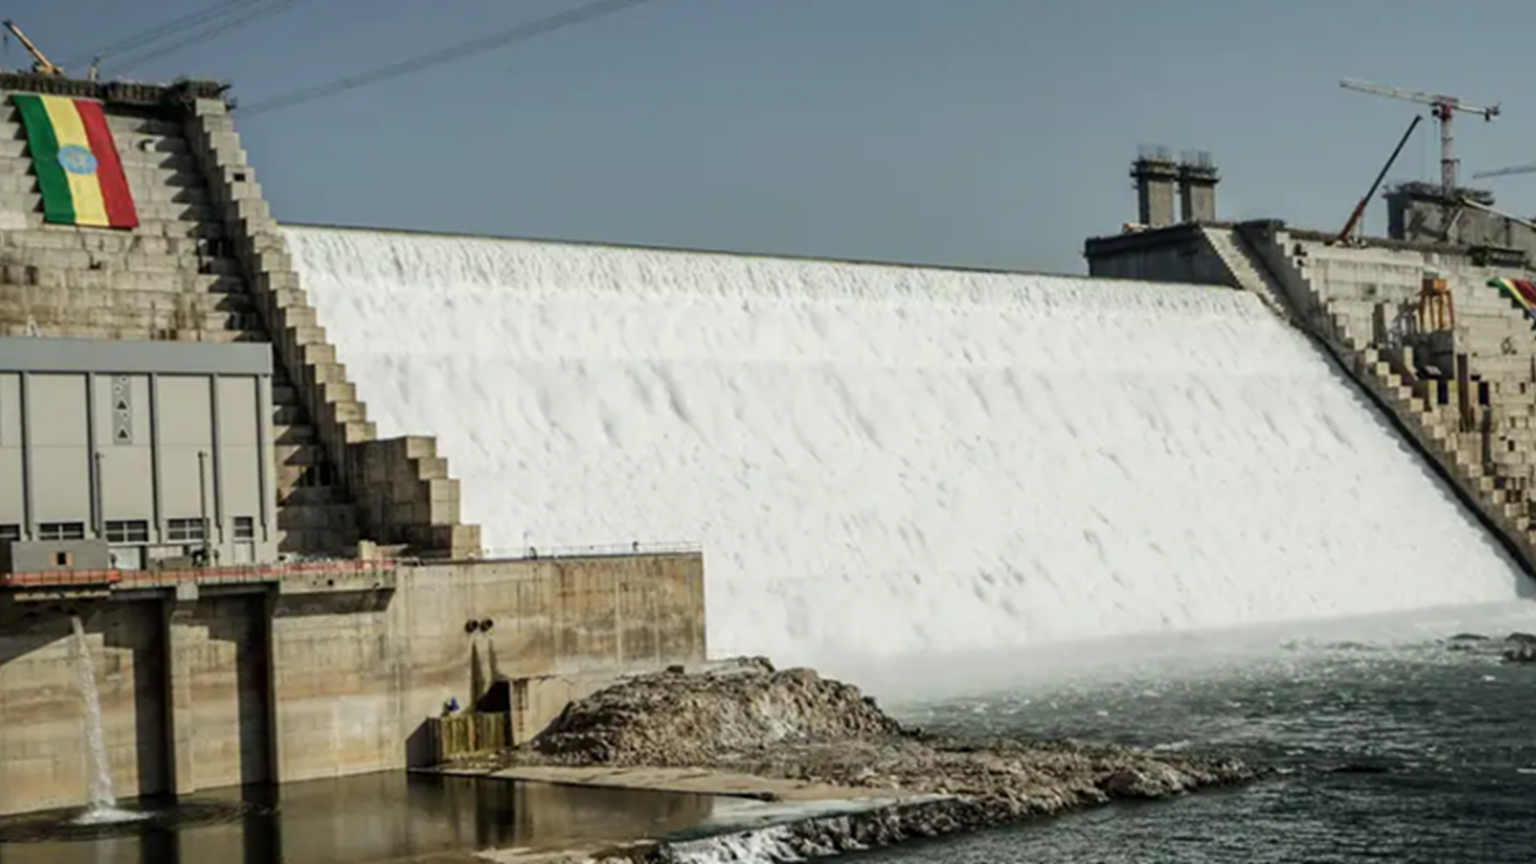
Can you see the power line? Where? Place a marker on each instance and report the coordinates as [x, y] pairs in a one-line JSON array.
[[254, 12], [519, 33], [158, 32]]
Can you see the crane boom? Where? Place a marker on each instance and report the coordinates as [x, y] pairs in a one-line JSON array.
[[40, 64], [1444, 108], [1505, 172], [1354, 218], [1418, 96]]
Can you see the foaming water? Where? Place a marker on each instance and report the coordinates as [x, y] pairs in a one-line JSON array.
[[102, 808], [1390, 745], [886, 461]]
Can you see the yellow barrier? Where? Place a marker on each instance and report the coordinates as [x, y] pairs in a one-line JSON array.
[[471, 734]]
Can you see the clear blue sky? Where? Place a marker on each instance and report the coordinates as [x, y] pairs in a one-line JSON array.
[[975, 132]]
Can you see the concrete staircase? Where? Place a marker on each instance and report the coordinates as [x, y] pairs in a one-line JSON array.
[[1473, 415], [1247, 271], [402, 494], [207, 264]]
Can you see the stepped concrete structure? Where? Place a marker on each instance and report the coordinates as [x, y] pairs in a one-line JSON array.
[[207, 264], [328, 645], [1411, 318]]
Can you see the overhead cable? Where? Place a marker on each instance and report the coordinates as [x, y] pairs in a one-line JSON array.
[[159, 31], [520, 33], [253, 12]]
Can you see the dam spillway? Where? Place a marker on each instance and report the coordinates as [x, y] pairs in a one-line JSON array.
[[885, 460]]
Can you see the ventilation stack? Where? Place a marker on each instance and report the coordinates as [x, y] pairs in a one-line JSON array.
[[1197, 186], [1155, 174]]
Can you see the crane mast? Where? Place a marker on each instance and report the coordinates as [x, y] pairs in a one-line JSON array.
[[1444, 109]]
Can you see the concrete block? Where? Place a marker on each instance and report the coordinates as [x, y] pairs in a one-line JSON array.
[[302, 335], [454, 541], [434, 468], [299, 455], [317, 517], [418, 446], [212, 123], [219, 145], [272, 260], [319, 353], [294, 433], [357, 432], [123, 125], [339, 413]]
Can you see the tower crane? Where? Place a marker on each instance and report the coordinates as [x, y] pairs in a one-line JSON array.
[[40, 64], [1444, 109], [1505, 172]]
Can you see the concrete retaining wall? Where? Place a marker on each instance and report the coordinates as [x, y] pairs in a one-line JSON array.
[[1178, 254], [291, 682]]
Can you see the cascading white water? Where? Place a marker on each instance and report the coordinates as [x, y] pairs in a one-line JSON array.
[[99, 770], [101, 808], [882, 461]]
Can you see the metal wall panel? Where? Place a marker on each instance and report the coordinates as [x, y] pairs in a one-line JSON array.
[[12, 506], [124, 455], [58, 446], [184, 408]]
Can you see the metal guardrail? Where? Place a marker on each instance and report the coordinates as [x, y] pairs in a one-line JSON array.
[[608, 550], [211, 575]]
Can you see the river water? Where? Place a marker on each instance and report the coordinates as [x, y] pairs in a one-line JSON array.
[[1389, 746], [392, 817]]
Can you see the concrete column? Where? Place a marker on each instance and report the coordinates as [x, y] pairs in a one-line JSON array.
[[1197, 187], [1156, 175], [183, 641], [267, 608]]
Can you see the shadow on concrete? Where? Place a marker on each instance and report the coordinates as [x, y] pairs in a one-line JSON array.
[[241, 621], [421, 746], [26, 627], [477, 682], [339, 603], [139, 629]]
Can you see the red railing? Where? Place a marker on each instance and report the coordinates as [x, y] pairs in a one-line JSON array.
[[217, 575]]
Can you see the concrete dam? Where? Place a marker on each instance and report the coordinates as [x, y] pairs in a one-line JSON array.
[[885, 460], [291, 494]]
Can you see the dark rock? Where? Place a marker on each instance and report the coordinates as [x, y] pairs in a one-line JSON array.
[[1361, 768], [1520, 652]]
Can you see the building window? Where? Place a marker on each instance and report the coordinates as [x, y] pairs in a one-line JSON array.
[[61, 531], [182, 530], [63, 559], [131, 531], [10, 533], [245, 528]]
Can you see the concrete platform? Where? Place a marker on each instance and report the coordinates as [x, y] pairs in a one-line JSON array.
[[746, 803], [695, 781]]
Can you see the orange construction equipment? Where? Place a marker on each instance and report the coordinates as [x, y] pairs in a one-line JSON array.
[[40, 64], [1437, 311]]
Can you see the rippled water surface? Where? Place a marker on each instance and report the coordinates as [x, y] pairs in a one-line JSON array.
[[356, 820], [1412, 751]]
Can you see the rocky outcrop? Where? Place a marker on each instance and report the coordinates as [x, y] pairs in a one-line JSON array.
[[672, 719], [1515, 648], [745, 716]]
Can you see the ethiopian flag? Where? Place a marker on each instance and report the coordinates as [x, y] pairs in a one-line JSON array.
[[76, 162]]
